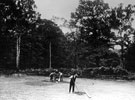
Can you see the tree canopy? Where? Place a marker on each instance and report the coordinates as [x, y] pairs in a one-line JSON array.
[[33, 42], [93, 21]]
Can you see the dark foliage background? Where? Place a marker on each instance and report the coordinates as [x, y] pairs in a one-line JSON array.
[[89, 48]]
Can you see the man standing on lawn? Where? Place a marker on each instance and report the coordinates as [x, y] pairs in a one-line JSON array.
[[72, 82]]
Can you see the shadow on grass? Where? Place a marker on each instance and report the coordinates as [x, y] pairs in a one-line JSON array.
[[39, 83], [65, 82], [46, 81], [55, 81], [43, 83], [80, 93]]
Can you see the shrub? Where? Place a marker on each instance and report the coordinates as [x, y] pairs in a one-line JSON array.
[[104, 71], [87, 72]]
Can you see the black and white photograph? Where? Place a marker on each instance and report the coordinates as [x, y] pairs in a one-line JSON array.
[[67, 49]]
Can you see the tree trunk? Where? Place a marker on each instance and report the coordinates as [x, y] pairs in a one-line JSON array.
[[18, 52], [50, 63], [122, 48], [122, 55]]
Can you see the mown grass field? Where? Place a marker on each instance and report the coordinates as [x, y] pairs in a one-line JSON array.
[[40, 88]]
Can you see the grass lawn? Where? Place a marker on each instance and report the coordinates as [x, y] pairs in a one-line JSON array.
[[40, 88]]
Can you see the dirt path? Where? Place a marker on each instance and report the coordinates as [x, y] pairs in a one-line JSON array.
[[39, 88]]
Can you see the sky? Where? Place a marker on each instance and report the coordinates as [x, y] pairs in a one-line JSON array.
[[59, 8], [63, 8]]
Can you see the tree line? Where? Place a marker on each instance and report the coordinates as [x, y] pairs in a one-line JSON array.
[[28, 41]]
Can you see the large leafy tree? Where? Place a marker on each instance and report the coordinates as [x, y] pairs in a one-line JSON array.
[[17, 18], [52, 36], [73, 49], [121, 20], [92, 18]]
